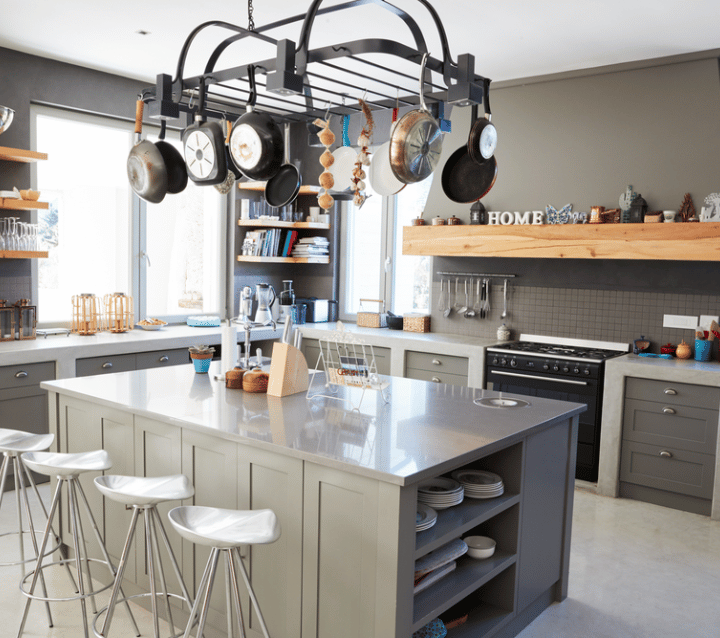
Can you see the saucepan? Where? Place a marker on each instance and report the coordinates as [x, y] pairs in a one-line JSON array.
[[283, 187], [145, 165]]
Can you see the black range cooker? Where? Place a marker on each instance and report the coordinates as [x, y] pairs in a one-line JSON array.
[[562, 369]]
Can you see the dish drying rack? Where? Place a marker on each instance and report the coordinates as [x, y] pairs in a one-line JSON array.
[[302, 84], [348, 361]]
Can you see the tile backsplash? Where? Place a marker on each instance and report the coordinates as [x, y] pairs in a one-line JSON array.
[[606, 315], [14, 288]]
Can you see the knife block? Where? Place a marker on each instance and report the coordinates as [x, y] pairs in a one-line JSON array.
[[288, 371]]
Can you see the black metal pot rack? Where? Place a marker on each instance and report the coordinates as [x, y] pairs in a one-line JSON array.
[[302, 84]]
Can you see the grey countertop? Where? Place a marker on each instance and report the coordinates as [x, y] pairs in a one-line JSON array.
[[423, 431]]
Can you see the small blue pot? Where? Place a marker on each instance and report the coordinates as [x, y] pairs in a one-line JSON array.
[[202, 365]]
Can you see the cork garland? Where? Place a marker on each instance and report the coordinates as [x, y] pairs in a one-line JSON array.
[[327, 181], [363, 158]]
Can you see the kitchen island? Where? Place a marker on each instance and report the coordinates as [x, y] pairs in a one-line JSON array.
[[344, 485]]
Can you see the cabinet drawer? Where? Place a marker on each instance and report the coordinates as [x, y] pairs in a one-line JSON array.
[[436, 376], [104, 365], [683, 427], [436, 362], [26, 374], [699, 396], [160, 358], [668, 469]]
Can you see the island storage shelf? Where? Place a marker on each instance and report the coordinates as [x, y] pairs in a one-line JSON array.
[[677, 241]]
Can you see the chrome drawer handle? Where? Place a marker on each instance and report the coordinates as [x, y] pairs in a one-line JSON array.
[[435, 380], [107, 365], [668, 411], [436, 362], [670, 391], [666, 454], [21, 375], [164, 358]]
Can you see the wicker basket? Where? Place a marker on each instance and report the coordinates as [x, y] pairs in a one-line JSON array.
[[372, 319], [416, 323], [234, 378], [255, 381]]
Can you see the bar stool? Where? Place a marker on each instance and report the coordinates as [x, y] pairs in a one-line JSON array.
[[224, 531], [144, 494], [67, 468]]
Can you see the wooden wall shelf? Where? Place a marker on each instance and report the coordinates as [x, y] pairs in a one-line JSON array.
[[285, 260], [23, 254], [22, 204], [271, 223], [677, 241], [260, 186], [21, 155]]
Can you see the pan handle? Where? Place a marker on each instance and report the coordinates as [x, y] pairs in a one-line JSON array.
[[139, 108], [253, 91], [423, 64], [486, 99]]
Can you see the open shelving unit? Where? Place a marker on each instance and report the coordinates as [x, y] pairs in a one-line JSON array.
[[23, 254], [269, 223], [284, 260], [22, 204], [21, 155]]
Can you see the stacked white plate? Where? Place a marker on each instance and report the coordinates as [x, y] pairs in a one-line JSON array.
[[426, 517], [479, 483], [440, 493]]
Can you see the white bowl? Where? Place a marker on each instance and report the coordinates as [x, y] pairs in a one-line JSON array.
[[480, 546]]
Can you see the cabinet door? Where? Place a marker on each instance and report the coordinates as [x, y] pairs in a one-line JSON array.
[[272, 481], [157, 453], [211, 465], [352, 557]]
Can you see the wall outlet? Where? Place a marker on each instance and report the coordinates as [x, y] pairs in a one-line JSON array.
[[706, 320], [688, 322]]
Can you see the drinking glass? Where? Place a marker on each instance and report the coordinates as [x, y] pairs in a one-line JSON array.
[[2, 238]]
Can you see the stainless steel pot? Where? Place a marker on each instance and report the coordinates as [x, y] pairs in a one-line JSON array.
[[145, 165]]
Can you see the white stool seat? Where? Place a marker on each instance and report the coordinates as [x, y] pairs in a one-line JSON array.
[[62, 464], [17, 441], [137, 490], [221, 528]]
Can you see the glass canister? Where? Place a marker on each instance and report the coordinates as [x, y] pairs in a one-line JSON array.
[[7, 321], [87, 318], [298, 312], [27, 319]]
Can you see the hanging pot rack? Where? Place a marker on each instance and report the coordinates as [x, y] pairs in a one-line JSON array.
[[302, 84]]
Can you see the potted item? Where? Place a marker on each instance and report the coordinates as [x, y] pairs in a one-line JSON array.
[[201, 357], [683, 351]]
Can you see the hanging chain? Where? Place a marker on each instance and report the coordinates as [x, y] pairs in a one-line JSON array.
[[251, 22]]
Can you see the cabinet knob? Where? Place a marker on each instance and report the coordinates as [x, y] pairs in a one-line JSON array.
[[107, 365], [164, 359], [21, 375], [667, 410], [666, 454], [435, 380], [670, 391], [437, 362]]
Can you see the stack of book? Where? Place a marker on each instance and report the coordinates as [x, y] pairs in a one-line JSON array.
[[272, 242], [311, 247]]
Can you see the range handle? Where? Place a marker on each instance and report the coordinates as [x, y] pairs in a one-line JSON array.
[[539, 378]]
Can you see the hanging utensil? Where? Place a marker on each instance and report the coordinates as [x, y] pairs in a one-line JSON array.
[[256, 143], [232, 172], [457, 305], [204, 147], [416, 141], [477, 306], [504, 312], [470, 312], [486, 305], [146, 168], [463, 309], [442, 302], [283, 187], [174, 163]]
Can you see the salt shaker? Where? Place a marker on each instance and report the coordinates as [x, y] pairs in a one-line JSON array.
[[503, 333]]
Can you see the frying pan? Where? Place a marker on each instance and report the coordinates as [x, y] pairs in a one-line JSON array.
[[145, 165], [483, 136], [416, 141], [256, 143], [283, 187], [464, 180], [382, 179], [174, 164]]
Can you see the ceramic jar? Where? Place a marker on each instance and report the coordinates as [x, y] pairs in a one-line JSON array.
[[683, 351]]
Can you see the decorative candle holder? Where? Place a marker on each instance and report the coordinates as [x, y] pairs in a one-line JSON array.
[[7, 321], [27, 319], [87, 318], [118, 312]]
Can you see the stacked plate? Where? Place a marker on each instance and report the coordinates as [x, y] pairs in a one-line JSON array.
[[479, 483], [440, 493], [426, 517]]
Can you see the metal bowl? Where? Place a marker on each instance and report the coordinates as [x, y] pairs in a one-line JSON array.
[[6, 118]]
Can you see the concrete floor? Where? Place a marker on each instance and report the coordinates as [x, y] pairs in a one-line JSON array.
[[637, 571]]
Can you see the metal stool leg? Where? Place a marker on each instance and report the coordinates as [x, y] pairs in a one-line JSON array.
[[20, 487], [166, 541], [161, 572], [252, 594], [74, 515], [104, 552], [81, 535], [233, 580], [3, 472], [205, 584], [41, 551], [151, 574]]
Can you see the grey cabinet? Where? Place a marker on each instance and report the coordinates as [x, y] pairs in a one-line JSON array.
[[23, 404], [439, 368], [669, 443], [126, 362], [311, 349]]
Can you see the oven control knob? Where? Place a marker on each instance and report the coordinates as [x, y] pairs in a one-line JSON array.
[[555, 368], [566, 369], [503, 362], [576, 370], [546, 366], [586, 371], [495, 361], [513, 363], [530, 364]]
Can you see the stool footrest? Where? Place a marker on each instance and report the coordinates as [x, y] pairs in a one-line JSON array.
[[159, 594], [65, 561]]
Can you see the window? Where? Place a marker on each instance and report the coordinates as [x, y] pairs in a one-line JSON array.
[[101, 238], [372, 264]]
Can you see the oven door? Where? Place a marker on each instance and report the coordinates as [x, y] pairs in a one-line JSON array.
[[560, 388]]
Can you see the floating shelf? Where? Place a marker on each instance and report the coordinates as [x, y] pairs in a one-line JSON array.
[[677, 241], [20, 155], [285, 260], [271, 223], [260, 186], [23, 254], [22, 204]]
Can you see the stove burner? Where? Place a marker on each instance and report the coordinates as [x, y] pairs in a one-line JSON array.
[[544, 349]]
